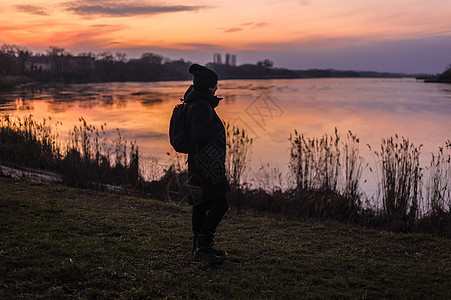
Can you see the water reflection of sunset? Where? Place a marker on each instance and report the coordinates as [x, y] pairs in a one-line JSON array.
[[269, 111]]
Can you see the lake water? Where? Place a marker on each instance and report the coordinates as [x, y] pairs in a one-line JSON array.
[[269, 109]]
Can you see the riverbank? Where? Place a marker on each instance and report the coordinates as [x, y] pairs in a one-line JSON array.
[[60, 242], [9, 82], [445, 77], [435, 80]]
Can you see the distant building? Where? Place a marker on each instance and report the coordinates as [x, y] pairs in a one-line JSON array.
[[233, 62], [230, 60], [217, 59]]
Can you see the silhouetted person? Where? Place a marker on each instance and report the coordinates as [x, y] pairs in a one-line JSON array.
[[206, 163]]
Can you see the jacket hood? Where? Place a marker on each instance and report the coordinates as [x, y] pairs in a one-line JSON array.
[[193, 94]]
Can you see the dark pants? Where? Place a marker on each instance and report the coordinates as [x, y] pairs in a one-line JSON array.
[[208, 214]]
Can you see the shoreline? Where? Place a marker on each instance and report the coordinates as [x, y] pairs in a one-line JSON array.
[[10, 82]]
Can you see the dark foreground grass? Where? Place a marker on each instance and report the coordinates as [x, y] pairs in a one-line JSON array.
[[59, 242]]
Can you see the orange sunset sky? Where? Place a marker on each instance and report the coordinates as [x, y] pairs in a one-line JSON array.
[[410, 36]]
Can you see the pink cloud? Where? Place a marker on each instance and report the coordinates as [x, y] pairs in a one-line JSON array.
[[233, 29]]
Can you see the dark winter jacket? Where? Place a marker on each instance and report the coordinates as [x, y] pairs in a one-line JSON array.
[[206, 159]]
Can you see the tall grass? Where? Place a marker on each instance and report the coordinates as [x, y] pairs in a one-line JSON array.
[[26, 142], [354, 167], [401, 175], [238, 153], [92, 158], [315, 162], [327, 172], [438, 187], [330, 169], [270, 179], [150, 168], [88, 158], [327, 163]]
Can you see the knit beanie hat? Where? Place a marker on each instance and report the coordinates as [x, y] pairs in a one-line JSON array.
[[203, 77]]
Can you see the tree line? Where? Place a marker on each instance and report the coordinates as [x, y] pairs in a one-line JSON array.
[[58, 65]]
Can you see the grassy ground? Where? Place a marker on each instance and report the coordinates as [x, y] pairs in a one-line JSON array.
[[59, 242]]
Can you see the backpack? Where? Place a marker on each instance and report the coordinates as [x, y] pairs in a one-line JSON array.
[[179, 135], [179, 130]]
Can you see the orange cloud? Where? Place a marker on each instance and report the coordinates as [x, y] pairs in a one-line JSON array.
[[233, 29], [32, 9], [38, 34], [121, 9]]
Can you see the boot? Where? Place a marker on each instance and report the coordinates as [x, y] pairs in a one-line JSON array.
[[204, 252], [217, 252]]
